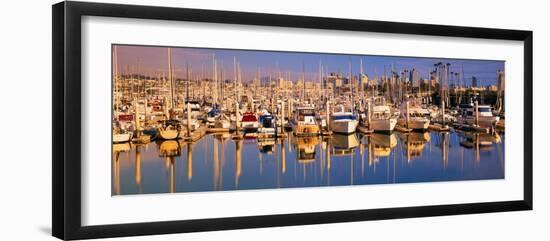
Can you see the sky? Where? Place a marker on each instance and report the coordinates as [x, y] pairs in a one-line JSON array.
[[152, 60]]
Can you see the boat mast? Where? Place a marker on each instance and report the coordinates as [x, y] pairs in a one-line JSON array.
[[361, 83], [115, 76], [351, 88], [303, 82], [170, 75], [187, 86], [215, 79], [235, 88]]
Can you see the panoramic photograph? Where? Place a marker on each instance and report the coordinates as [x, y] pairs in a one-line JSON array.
[[187, 119]]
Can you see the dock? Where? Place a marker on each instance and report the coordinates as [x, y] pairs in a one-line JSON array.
[[216, 130], [439, 127], [195, 135], [402, 129], [143, 139], [365, 130]]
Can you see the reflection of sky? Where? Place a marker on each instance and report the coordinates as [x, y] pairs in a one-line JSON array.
[[205, 172], [154, 61]]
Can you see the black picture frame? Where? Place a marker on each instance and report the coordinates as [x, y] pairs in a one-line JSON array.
[[66, 127]]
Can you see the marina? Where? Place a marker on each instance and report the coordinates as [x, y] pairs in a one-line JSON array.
[[205, 120]]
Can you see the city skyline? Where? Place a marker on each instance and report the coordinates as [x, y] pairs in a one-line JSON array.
[[153, 60]]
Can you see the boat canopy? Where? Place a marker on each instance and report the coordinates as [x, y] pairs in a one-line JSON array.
[[344, 117], [249, 116]]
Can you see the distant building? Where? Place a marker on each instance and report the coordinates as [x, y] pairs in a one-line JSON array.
[[256, 83], [334, 80], [474, 81], [309, 85], [364, 81], [414, 77], [434, 79], [492, 88]]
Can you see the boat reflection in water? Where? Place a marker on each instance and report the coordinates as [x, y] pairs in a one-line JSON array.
[[169, 150], [217, 162], [118, 149], [306, 148], [414, 143]]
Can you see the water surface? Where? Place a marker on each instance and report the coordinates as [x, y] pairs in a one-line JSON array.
[[216, 162]]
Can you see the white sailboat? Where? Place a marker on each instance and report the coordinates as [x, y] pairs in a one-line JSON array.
[[170, 129], [122, 137], [120, 133]]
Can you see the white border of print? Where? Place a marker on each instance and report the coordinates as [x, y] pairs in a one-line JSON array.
[[98, 33]]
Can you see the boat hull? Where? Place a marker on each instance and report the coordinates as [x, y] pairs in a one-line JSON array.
[[485, 122], [420, 125], [305, 130], [250, 127], [168, 134], [383, 126], [344, 127], [121, 138]]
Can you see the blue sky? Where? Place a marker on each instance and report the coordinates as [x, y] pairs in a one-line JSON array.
[[154, 61]]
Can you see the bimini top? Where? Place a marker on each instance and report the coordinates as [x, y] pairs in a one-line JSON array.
[[249, 116]]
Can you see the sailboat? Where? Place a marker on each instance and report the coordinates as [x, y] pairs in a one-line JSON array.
[[194, 107], [121, 133], [305, 121], [169, 129]]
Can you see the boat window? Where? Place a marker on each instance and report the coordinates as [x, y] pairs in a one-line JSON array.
[[342, 117]]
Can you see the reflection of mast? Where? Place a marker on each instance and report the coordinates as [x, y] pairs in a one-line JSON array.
[[351, 167], [328, 162], [322, 162], [189, 161], [476, 139], [408, 149], [172, 176], [444, 151], [328, 157], [238, 163], [283, 159], [362, 153], [260, 157], [371, 150], [222, 162], [394, 167], [216, 164], [138, 167], [117, 174]]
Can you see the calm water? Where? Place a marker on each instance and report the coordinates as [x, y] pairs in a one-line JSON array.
[[217, 162]]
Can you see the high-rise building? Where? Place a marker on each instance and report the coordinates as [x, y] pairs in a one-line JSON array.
[[414, 77], [474, 81]]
